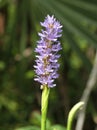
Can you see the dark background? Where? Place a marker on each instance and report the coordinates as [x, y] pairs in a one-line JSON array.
[[20, 95]]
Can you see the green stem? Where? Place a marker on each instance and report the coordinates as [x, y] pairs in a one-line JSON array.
[[72, 113], [44, 106]]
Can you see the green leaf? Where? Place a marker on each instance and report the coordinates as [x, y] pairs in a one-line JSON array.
[[77, 15], [74, 25], [83, 5], [89, 10], [36, 120]]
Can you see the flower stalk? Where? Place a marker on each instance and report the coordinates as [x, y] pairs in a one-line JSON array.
[[47, 60], [72, 113], [44, 106]]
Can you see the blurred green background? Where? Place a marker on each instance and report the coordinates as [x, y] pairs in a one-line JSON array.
[[20, 96]]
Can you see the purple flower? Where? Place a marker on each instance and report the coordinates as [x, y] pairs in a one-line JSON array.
[[47, 52]]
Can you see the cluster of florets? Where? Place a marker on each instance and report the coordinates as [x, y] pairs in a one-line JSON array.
[[47, 48]]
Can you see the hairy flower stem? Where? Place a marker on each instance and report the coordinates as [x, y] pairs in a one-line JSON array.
[[44, 106]]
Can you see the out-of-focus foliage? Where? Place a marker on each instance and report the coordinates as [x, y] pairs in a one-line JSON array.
[[37, 120], [19, 25]]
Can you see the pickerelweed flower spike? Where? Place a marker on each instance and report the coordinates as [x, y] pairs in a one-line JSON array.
[[47, 48]]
